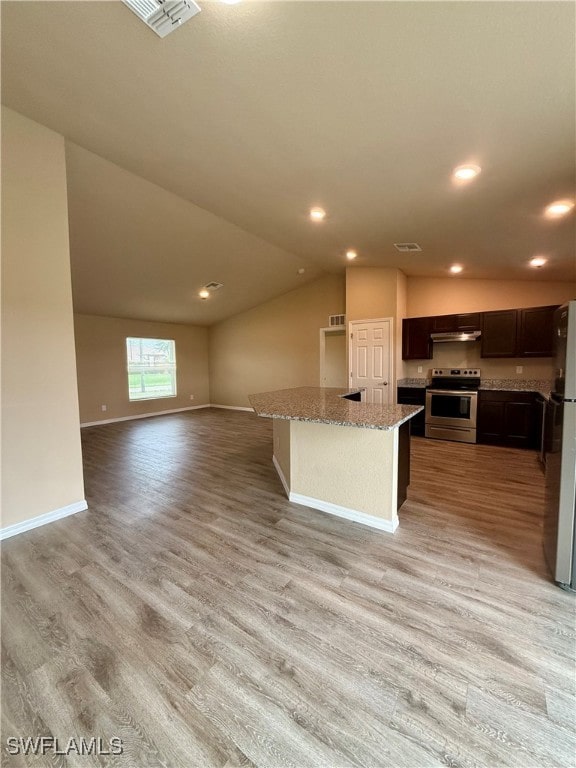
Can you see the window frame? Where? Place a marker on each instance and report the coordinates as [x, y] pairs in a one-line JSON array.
[[170, 367]]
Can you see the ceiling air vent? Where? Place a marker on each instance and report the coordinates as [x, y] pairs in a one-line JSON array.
[[163, 16], [213, 286], [336, 320], [407, 247]]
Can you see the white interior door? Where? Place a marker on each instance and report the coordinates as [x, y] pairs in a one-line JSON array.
[[371, 359]]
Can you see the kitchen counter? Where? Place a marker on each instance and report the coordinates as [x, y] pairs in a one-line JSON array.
[[542, 387], [325, 405], [347, 458], [413, 383]]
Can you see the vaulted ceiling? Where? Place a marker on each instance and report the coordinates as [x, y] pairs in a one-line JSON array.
[[197, 157]]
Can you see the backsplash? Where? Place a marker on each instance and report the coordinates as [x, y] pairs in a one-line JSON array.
[[460, 354]]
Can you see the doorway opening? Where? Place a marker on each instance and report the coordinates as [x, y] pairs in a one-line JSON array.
[[333, 367]]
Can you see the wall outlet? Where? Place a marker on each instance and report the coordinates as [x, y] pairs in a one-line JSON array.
[[519, 369], [419, 369], [191, 397], [103, 407]]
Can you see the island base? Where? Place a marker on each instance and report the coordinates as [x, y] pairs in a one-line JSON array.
[[358, 474]]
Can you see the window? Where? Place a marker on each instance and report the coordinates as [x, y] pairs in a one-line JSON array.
[[151, 368]]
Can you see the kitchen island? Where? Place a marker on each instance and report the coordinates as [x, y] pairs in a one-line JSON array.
[[332, 453]]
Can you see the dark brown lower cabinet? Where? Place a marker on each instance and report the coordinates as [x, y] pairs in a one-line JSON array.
[[413, 396], [507, 418]]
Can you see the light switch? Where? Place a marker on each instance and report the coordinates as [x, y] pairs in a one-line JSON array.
[[519, 369]]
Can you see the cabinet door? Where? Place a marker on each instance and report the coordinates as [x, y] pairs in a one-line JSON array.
[[444, 323], [416, 342], [464, 322], [520, 423], [536, 332], [507, 418], [468, 322], [490, 429], [499, 330], [414, 396]]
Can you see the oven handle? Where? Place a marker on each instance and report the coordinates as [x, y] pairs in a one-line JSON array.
[[465, 392]]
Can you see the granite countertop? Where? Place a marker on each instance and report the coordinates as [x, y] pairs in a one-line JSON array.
[[325, 406], [543, 387], [413, 383]]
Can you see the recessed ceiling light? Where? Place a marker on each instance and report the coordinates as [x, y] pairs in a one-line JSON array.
[[204, 293], [558, 208], [538, 261], [317, 214], [351, 255], [456, 268], [466, 172], [230, 2]]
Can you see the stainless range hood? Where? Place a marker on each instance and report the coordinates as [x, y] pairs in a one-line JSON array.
[[455, 336]]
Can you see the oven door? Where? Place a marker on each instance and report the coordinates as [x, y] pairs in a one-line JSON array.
[[451, 408]]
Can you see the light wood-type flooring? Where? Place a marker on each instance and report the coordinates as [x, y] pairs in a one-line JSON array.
[[199, 616]]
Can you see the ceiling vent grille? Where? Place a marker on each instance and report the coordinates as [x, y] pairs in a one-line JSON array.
[[213, 286], [163, 16], [407, 247], [336, 321]]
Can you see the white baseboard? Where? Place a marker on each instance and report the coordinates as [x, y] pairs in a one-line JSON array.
[[48, 517], [350, 514], [281, 475], [146, 415], [232, 407]]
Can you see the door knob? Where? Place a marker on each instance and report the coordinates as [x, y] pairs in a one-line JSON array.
[[384, 383]]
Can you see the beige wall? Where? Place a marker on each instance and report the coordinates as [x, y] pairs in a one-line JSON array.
[[273, 346], [371, 292], [102, 377], [445, 295], [401, 309], [41, 454]]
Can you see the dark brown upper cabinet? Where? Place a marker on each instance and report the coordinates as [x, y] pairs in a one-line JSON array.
[[505, 332], [416, 342], [518, 332], [449, 323], [536, 331], [499, 331], [443, 324], [469, 322]]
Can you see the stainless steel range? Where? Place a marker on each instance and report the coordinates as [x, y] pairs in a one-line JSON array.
[[452, 404]]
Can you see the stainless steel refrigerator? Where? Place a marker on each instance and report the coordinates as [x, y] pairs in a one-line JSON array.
[[560, 448]]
